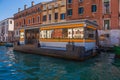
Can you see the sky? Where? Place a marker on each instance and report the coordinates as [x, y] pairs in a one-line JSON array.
[[9, 7]]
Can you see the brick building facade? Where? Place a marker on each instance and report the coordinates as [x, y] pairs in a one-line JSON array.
[[27, 18], [32, 18], [104, 12]]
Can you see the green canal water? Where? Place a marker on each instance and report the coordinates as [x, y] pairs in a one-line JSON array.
[[20, 66]]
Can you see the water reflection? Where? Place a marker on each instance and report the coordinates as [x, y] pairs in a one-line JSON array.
[[20, 66]]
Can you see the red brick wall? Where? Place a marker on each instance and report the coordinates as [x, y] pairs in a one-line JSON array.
[[99, 16], [27, 17], [115, 14]]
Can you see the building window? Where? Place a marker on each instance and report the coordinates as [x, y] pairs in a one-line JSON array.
[[56, 5], [44, 18], [44, 7], [20, 24], [17, 32], [94, 8], [10, 22], [38, 9], [69, 12], [69, 1], [62, 16], [29, 21], [49, 6], [80, 0], [16, 24], [106, 6], [89, 33], [63, 3], [49, 16], [94, 21], [56, 15], [81, 10], [24, 21], [106, 24], [33, 20], [38, 19]]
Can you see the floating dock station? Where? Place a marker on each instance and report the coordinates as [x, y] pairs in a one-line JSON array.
[[76, 39]]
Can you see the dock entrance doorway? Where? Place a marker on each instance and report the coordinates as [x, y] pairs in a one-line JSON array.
[[31, 36]]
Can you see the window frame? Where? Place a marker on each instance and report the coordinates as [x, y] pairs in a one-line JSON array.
[[104, 24], [62, 16], [92, 8], [44, 18], [56, 16], [71, 13], [69, 1], [82, 11]]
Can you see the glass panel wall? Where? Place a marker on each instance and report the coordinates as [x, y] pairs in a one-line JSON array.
[[43, 34], [78, 32], [89, 33], [49, 33], [63, 33]]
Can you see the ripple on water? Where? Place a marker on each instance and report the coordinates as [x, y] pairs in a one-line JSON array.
[[19, 66]]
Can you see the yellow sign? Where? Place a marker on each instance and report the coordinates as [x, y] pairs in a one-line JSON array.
[[22, 30], [67, 40], [22, 35], [62, 26], [91, 27]]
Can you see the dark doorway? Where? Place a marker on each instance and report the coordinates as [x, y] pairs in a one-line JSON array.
[[31, 36]]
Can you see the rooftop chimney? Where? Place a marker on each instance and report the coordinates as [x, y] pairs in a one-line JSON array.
[[25, 6], [32, 3], [18, 9]]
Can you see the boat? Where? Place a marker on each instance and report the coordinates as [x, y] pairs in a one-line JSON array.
[[117, 51], [2, 43], [9, 44]]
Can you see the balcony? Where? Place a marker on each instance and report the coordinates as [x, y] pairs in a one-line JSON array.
[[62, 3], [50, 7], [56, 5], [44, 7]]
